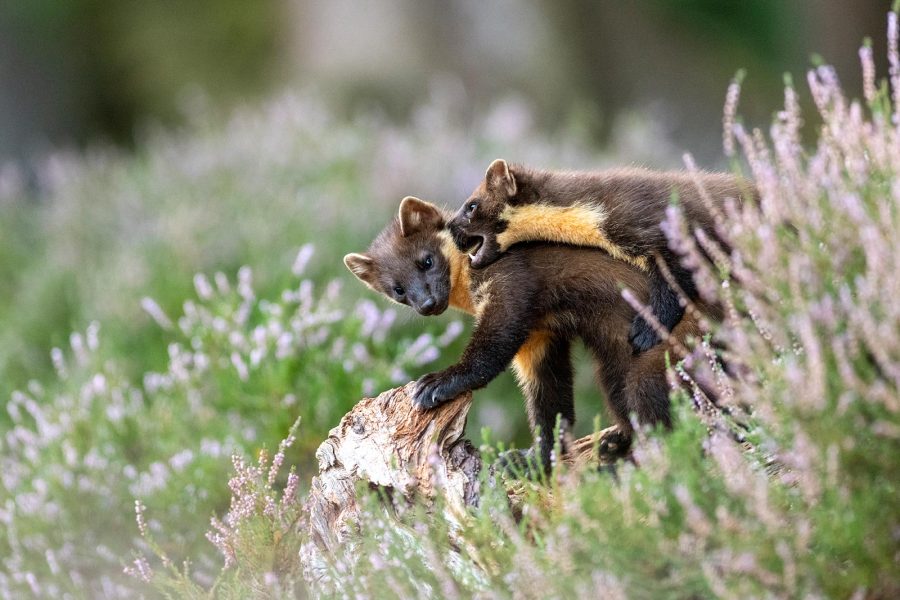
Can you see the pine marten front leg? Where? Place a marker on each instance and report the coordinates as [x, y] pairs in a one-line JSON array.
[[504, 322], [543, 368]]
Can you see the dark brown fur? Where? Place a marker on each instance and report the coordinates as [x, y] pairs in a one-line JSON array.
[[529, 306], [622, 208]]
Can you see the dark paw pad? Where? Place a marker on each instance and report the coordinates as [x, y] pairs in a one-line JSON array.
[[433, 389], [614, 444], [642, 336]]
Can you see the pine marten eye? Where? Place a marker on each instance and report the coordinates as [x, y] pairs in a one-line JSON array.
[[427, 263], [470, 208], [398, 289]]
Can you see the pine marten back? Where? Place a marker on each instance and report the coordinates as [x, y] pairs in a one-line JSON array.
[[618, 210]]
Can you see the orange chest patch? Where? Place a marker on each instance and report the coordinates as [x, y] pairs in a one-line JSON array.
[[460, 282]]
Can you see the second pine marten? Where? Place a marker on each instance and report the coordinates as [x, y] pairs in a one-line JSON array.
[[617, 210]]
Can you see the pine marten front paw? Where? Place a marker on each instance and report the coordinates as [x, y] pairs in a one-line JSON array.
[[642, 335], [614, 444], [434, 389]]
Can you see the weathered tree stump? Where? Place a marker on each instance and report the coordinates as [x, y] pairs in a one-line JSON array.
[[387, 443]]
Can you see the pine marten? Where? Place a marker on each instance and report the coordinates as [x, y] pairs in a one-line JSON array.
[[529, 305], [617, 210]]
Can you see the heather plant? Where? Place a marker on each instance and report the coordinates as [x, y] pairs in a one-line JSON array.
[[258, 537]]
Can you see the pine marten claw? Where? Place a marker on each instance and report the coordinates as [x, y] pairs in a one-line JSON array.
[[431, 390]]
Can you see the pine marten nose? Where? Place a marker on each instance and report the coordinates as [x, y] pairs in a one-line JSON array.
[[427, 305]]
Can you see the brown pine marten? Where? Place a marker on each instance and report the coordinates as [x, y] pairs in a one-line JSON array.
[[529, 305], [618, 210]]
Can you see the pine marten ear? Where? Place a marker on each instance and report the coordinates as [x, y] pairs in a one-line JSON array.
[[499, 177], [363, 267], [417, 215]]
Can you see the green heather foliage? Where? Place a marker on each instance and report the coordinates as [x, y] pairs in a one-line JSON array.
[[805, 506]]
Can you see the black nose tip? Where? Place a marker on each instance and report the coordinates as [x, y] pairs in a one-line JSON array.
[[427, 305]]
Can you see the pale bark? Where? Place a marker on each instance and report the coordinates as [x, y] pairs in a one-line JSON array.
[[385, 442]]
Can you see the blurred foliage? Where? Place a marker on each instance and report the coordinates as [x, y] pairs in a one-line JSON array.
[[761, 26], [88, 69], [102, 67]]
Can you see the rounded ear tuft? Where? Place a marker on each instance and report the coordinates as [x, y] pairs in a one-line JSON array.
[[362, 266], [499, 178], [417, 215]]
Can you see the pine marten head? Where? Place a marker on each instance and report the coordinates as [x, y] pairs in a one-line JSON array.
[[477, 224], [412, 261]]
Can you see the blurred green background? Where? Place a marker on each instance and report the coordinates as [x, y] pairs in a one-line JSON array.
[[76, 71]]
